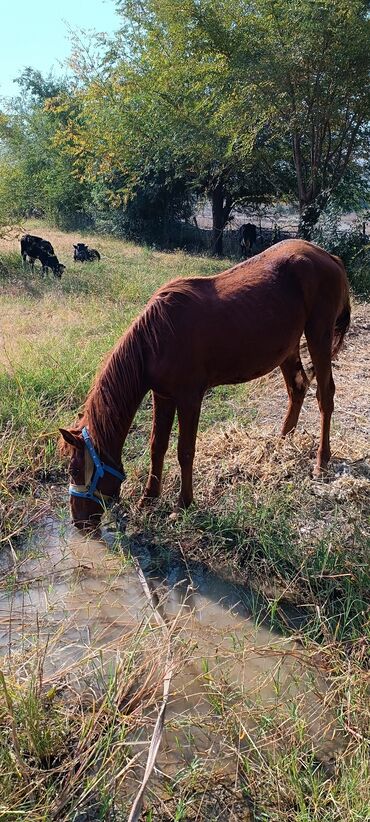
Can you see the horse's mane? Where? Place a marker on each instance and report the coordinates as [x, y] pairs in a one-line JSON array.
[[118, 387]]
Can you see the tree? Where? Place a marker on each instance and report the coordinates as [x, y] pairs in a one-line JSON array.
[[36, 174], [185, 83], [259, 97], [151, 120], [302, 69]]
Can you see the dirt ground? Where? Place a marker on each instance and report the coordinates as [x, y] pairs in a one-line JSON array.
[[351, 373]]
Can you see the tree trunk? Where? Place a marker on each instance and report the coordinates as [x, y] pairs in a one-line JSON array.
[[310, 213], [217, 218], [297, 155], [221, 206]]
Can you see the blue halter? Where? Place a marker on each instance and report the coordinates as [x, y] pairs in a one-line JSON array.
[[100, 468]]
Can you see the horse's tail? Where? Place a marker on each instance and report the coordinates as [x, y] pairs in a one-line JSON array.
[[341, 327], [343, 320]]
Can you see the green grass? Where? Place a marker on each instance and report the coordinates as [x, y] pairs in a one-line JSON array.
[[60, 333], [56, 754], [298, 554]]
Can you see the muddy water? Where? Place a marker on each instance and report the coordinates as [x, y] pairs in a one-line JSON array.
[[71, 596]]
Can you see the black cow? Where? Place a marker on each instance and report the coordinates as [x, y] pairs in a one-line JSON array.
[[50, 261], [248, 237], [82, 253], [35, 248], [29, 242]]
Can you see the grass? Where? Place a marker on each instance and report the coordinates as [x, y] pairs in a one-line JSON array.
[[59, 749], [295, 550], [54, 336]]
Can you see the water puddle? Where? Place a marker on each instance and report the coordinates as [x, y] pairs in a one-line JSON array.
[[72, 596]]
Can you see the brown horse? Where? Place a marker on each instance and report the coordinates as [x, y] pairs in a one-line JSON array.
[[207, 331]]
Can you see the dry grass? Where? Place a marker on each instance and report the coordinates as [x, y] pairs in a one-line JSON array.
[[294, 550], [63, 241]]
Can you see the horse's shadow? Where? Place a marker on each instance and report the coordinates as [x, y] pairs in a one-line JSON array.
[[169, 574]]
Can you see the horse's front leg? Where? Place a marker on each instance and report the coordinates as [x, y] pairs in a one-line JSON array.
[[163, 416], [188, 414]]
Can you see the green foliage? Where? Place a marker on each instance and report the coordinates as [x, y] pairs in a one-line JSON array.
[[37, 88], [350, 244], [274, 83], [35, 174], [149, 214], [239, 103]]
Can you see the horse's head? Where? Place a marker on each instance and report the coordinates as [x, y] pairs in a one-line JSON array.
[[94, 485]]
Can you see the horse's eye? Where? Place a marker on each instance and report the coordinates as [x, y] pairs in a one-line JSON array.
[[74, 472]]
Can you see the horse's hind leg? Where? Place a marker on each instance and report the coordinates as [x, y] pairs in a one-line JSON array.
[[188, 412], [320, 351], [163, 416], [297, 383]]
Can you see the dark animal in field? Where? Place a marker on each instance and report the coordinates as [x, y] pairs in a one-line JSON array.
[[82, 253], [35, 248], [207, 331], [50, 261], [31, 244], [248, 237]]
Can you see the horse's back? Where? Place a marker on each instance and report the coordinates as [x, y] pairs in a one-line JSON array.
[[290, 273], [243, 322]]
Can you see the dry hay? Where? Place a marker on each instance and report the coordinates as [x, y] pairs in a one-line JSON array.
[[238, 455]]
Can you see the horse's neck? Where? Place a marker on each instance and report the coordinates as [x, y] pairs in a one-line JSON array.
[[112, 406]]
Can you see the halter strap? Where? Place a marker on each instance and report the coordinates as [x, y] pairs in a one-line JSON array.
[[100, 468]]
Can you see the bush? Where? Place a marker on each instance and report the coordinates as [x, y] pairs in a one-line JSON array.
[[150, 215], [351, 245]]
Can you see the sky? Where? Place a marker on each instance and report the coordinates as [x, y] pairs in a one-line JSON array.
[[35, 33]]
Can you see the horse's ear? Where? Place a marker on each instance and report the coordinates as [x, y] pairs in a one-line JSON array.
[[73, 439]]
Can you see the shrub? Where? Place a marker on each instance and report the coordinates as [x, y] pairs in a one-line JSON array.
[[351, 245]]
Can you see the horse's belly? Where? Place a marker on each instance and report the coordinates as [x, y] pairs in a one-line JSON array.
[[221, 353], [249, 362], [235, 376]]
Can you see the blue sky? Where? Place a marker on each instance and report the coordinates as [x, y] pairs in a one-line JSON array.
[[34, 33]]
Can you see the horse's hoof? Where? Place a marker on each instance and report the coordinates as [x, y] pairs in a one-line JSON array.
[[319, 471], [183, 504], [146, 501]]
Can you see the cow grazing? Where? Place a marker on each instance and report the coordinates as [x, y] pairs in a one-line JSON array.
[[31, 242], [248, 237], [82, 253], [50, 261], [35, 248]]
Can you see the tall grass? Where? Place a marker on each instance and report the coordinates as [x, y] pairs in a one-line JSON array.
[[296, 549], [57, 333]]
